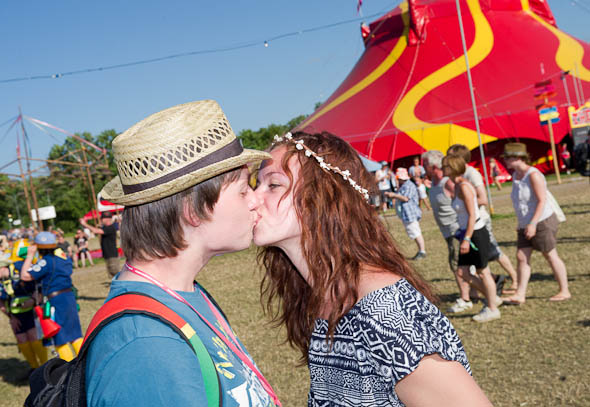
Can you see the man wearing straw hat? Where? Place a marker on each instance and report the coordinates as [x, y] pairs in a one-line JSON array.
[[184, 183]]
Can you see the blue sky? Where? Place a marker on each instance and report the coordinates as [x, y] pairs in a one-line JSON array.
[[255, 86]]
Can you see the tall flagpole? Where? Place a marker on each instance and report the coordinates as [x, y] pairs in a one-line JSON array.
[[475, 116]]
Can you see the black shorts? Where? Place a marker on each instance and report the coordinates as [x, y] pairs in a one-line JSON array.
[[478, 258], [27, 321]]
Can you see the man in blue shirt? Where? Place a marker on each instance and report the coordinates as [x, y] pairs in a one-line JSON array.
[[408, 210], [184, 183]]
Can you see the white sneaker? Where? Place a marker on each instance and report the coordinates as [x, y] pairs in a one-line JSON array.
[[486, 315], [497, 302], [459, 306]]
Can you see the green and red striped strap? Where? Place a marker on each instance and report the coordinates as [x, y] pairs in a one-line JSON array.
[[140, 303]]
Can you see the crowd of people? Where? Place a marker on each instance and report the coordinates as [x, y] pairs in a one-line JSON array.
[[458, 199], [37, 287], [363, 320], [36, 269]]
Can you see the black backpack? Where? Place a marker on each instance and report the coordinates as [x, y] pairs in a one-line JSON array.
[[63, 384]]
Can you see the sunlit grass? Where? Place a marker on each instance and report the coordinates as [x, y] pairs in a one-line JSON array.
[[535, 355]]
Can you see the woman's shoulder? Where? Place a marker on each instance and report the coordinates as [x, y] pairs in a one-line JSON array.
[[394, 304], [401, 322]]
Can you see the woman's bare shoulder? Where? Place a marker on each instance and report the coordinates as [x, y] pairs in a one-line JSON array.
[[372, 280]]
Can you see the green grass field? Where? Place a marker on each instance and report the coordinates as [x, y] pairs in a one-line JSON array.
[[537, 354]]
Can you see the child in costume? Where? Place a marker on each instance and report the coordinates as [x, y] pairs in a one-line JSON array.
[[17, 301], [54, 273]]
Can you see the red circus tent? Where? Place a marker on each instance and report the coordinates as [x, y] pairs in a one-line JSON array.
[[409, 91]]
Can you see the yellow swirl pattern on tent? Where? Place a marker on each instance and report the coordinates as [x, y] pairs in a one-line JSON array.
[[570, 52], [439, 136], [388, 62]]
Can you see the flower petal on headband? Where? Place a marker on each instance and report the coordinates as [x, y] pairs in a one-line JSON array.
[[300, 145]]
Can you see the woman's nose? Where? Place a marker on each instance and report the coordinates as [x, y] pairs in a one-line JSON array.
[[255, 200]]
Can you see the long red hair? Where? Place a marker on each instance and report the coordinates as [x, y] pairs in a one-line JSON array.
[[341, 234]]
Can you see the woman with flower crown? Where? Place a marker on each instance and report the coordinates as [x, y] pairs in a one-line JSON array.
[[362, 318]]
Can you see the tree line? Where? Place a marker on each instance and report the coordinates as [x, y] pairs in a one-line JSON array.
[[67, 188]]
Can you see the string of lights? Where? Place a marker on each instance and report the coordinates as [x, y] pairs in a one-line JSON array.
[[221, 49]]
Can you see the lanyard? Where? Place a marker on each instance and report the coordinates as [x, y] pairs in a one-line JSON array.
[[233, 344]]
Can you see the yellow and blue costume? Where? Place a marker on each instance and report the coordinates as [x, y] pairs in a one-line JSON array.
[[18, 302], [54, 272]]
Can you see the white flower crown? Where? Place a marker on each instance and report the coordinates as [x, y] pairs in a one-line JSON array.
[[323, 165]]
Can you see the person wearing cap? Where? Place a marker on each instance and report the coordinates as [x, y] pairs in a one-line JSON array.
[[408, 210], [384, 179], [108, 241], [537, 223], [17, 302], [475, 242], [54, 272], [183, 179]]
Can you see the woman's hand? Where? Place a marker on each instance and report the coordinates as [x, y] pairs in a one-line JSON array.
[[530, 231], [464, 248]]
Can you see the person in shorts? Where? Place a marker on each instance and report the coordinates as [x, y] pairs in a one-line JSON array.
[[537, 223], [108, 241], [441, 194], [474, 177], [475, 241], [408, 210], [82, 252]]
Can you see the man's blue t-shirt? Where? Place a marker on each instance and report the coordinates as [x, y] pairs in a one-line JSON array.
[[137, 360]]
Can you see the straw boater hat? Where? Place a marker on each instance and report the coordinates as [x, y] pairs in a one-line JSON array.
[[515, 150], [173, 150]]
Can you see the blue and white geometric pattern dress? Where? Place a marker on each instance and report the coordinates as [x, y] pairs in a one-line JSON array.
[[376, 344]]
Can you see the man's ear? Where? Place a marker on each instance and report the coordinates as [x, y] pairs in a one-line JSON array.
[[189, 214]]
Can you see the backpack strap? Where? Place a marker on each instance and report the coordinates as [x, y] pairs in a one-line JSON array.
[[140, 303]]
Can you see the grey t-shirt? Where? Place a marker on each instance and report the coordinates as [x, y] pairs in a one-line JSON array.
[[445, 216]]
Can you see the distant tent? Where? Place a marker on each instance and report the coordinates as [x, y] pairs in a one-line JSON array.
[[370, 165], [408, 92]]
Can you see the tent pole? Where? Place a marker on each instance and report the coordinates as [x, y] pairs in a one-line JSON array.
[[29, 173], [22, 175], [575, 82], [581, 87], [565, 88], [475, 117]]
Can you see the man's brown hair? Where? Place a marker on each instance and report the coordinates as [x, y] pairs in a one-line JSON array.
[[461, 150], [154, 230]]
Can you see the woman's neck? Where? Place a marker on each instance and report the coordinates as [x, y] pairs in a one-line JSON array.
[[294, 252], [521, 169]]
